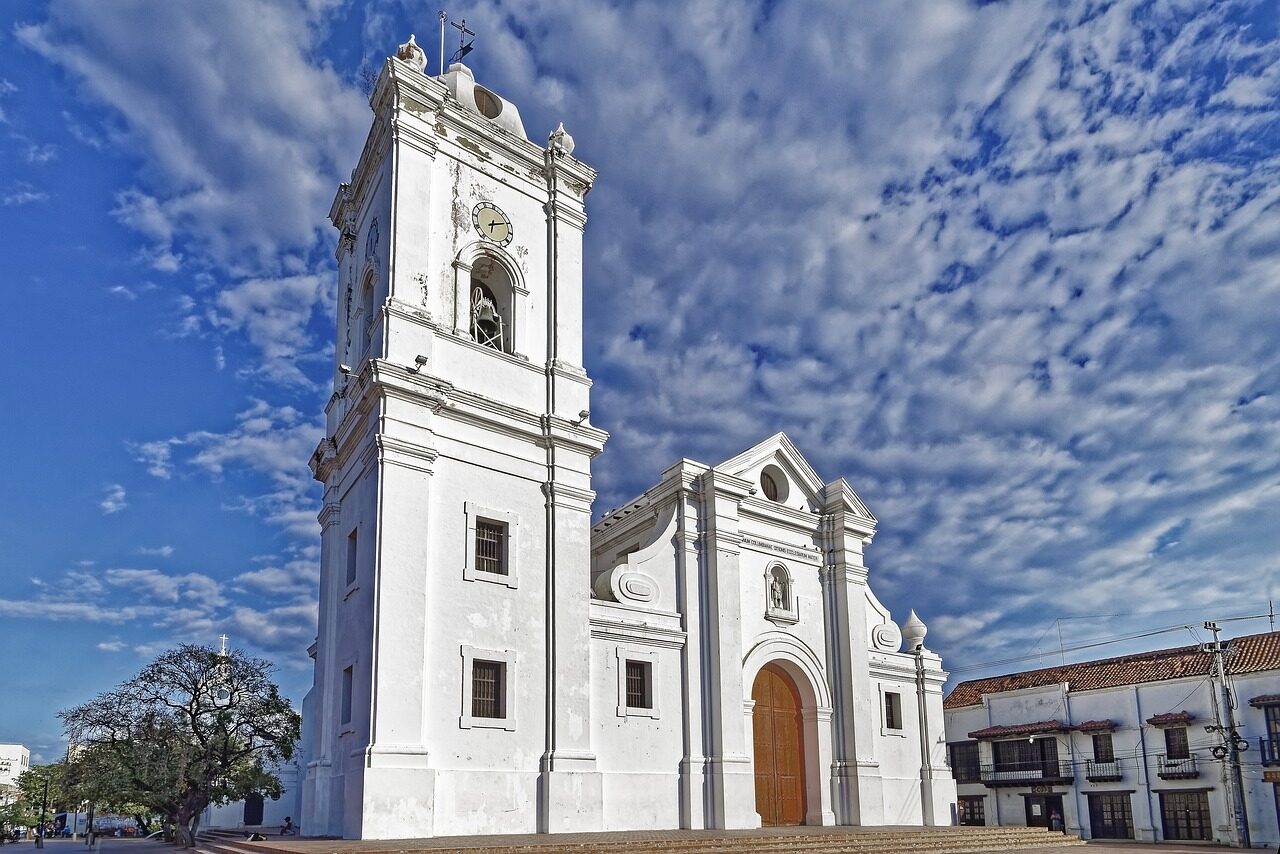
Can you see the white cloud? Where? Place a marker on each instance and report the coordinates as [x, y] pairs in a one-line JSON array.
[[270, 442], [20, 197], [39, 154], [114, 499], [159, 551], [111, 646], [122, 291]]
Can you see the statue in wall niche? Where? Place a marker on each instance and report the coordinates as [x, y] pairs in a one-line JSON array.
[[778, 593]]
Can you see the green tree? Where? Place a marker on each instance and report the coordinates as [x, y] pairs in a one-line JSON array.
[[195, 727]]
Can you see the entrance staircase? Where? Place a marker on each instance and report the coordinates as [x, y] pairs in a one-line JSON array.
[[799, 840]]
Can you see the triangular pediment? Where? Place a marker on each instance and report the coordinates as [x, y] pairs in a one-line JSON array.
[[804, 486], [810, 490]]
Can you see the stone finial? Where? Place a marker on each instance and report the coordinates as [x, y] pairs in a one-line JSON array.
[[913, 632], [412, 54], [560, 140]]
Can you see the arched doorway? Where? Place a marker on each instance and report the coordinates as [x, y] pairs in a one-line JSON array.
[[778, 734]]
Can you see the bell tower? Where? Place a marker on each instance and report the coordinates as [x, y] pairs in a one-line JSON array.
[[452, 672]]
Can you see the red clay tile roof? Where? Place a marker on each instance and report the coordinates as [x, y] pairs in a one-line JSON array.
[[1249, 654], [1096, 726], [1019, 729], [1265, 700], [1171, 719]]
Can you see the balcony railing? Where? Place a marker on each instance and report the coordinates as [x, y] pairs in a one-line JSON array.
[[1270, 748], [1177, 769], [1103, 772], [1020, 773]]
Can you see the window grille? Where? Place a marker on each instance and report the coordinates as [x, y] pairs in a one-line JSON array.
[[487, 689], [491, 547], [639, 685]]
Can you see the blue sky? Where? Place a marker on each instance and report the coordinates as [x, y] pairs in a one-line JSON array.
[[1013, 269]]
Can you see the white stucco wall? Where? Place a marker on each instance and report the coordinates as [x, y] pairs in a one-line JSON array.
[[1137, 747]]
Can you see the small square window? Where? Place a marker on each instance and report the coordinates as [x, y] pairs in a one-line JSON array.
[[346, 694], [488, 689], [639, 685], [491, 547], [352, 552], [892, 710]]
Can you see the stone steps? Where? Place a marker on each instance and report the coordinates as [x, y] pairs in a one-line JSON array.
[[968, 840]]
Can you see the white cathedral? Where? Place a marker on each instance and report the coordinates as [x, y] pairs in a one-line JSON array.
[[488, 661]]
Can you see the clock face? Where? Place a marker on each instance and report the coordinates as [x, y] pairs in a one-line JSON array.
[[492, 223]]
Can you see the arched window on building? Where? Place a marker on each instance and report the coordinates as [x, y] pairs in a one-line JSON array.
[[364, 319], [491, 305]]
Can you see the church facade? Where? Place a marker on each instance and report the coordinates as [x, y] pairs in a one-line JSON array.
[[710, 655]]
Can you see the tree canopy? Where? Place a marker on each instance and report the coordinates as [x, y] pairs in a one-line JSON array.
[[195, 727]]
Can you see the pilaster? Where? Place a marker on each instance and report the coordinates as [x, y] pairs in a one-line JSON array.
[[732, 781]]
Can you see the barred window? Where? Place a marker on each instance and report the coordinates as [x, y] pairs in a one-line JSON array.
[[488, 691], [639, 685], [491, 552]]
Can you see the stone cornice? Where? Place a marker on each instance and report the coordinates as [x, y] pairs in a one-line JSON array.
[[392, 451], [569, 497], [563, 433], [329, 514]]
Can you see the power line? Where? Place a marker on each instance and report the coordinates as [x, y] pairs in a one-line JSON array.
[[1093, 643]]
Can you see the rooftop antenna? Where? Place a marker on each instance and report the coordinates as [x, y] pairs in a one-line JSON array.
[[464, 46]]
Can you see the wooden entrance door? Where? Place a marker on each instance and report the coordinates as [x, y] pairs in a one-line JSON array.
[[779, 748]]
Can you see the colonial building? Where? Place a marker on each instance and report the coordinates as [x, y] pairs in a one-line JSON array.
[[1123, 748], [488, 661]]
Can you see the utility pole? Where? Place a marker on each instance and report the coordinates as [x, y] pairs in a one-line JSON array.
[[1226, 729], [44, 807]]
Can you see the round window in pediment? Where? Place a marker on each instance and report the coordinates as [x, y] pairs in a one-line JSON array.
[[773, 483], [489, 104]]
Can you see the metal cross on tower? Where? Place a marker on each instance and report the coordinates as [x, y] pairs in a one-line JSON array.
[[224, 640], [464, 46]]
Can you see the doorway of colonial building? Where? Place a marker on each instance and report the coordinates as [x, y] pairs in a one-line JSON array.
[[778, 731], [1040, 809], [253, 810]]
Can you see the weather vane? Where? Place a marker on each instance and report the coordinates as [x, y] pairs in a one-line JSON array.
[[464, 47]]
